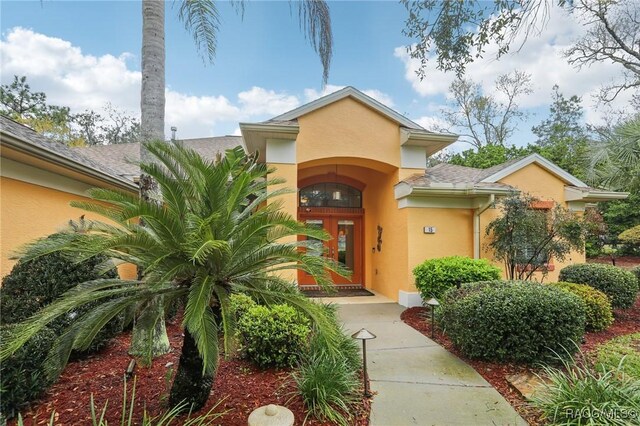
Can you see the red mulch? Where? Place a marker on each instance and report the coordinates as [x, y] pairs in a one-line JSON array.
[[626, 262], [626, 322], [239, 388]]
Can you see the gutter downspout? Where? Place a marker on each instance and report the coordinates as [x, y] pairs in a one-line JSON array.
[[476, 224]]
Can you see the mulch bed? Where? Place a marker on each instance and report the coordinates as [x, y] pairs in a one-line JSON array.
[[626, 322], [626, 262], [239, 388]]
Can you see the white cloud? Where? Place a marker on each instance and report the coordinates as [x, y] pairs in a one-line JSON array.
[[432, 123], [80, 81], [541, 56], [257, 101], [313, 94]]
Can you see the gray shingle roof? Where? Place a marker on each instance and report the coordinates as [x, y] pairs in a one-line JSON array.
[[124, 157], [458, 175], [42, 143]]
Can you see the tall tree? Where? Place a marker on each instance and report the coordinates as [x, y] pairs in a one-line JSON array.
[[483, 119], [562, 138], [488, 156], [456, 33], [201, 18], [613, 35], [214, 235]]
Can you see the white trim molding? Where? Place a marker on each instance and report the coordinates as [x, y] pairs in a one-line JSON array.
[[347, 92], [25, 173], [540, 161], [413, 157], [409, 299], [281, 151], [592, 195]]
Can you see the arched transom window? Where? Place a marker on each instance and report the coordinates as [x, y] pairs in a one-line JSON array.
[[329, 194]]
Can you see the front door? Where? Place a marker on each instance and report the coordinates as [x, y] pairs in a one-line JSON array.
[[345, 246]]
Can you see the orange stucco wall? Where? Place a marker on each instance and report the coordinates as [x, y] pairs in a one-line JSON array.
[[347, 128], [30, 211], [538, 182], [453, 236]]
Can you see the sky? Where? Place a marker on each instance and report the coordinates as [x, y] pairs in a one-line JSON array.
[[86, 54]]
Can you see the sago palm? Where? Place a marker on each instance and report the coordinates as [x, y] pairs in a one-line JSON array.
[[215, 232]]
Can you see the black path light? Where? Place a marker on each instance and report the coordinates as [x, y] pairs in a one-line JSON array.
[[433, 302], [364, 335]]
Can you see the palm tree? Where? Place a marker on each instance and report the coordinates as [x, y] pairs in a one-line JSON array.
[[615, 156], [200, 18], [214, 234]]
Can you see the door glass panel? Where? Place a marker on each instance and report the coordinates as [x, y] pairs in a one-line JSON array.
[[330, 195], [346, 243], [315, 246]]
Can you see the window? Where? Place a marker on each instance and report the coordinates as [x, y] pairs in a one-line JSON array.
[[330, 194]]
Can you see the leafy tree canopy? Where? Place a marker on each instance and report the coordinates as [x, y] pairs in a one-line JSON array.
[[18, 102], [456, 33], [526, 238]]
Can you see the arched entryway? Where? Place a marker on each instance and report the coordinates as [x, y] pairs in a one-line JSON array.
[[334, 203]]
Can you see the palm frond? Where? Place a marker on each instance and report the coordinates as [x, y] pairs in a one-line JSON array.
[[315, 21], [199, 320], [201, 19]]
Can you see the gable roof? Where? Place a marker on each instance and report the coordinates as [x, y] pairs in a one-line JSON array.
[[347, 92], [123, 158], [505, 169], [452, 180], [27, 141]]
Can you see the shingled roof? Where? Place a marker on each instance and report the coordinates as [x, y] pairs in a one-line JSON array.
[[123, 158], [23, 138], [450, 174]]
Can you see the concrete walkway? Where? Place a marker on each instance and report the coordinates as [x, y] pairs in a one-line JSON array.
[[417, 381]]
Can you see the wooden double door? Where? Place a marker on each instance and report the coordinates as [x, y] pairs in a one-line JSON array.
[[345, 245]]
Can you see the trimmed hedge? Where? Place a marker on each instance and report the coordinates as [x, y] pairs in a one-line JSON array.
[[512, 320], [35, 284], [240, 304], [636, 271], [435, 276], [273, 337], [620, 285], [597, 304], [22, 375]]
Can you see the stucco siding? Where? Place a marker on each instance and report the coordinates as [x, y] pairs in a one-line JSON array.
[[347, 128], [29, 211], [453, 235], [538, 182]]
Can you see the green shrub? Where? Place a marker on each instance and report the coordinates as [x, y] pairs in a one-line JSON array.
[[512, 320], [328, 380], [597, 304], [576, 395], [610, 355], [22, 376], [35, 284], [621, 286], [273, 336], [240, 304], [435, 276], [328, 387], [636, 271]]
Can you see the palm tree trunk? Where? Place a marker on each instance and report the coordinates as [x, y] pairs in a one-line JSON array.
[[190, 386], [152, 103]]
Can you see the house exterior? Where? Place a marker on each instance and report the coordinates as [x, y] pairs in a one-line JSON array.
[[359, 170]]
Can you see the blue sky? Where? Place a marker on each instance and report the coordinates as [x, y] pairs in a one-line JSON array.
[[86, 53]]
